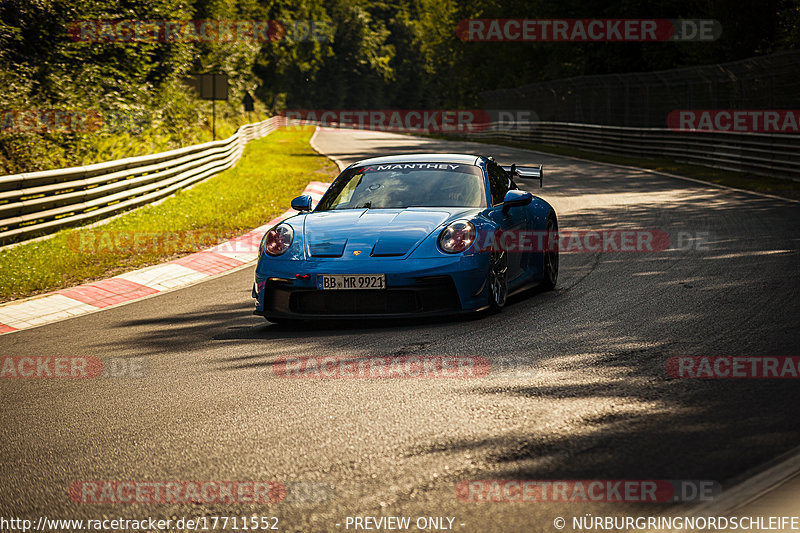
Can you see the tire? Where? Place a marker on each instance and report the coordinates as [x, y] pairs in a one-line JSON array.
[[550, 266], [498, 280]]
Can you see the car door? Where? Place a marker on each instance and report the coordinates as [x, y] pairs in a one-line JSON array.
[[513, 222]]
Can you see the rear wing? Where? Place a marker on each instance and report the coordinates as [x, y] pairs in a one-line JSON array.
[[525, 172]]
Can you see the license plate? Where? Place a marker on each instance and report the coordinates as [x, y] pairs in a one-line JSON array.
[[351, 281]]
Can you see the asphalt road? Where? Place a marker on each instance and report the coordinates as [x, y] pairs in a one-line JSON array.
[[585, 394]]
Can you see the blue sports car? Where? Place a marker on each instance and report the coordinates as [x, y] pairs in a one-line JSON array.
[[412, 235]]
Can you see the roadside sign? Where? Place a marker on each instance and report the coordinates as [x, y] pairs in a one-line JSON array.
[[209, 86]]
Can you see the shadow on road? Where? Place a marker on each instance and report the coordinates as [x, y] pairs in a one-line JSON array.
[[599, 344]]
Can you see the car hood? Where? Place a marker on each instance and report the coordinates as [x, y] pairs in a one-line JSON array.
[[374, 232]]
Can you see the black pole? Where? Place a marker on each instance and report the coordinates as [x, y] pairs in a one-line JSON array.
[[213, 107]]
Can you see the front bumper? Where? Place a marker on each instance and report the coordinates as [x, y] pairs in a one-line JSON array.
[[421, 287]]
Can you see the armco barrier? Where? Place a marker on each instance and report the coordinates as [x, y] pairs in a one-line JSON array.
[[766, 154], [42, 202], [37, 203]]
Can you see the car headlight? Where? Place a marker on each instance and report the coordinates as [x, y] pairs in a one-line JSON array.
[[457, 237], [277, 240]]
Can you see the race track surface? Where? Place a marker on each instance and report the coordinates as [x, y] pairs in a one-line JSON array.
[[586, 394]]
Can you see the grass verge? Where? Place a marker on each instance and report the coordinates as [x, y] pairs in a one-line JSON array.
[[739, 180], [273, 171]]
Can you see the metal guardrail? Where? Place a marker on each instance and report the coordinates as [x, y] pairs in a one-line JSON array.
[[38, 203], [767, 154]]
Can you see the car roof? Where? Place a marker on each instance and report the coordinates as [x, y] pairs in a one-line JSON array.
[[421, 158]]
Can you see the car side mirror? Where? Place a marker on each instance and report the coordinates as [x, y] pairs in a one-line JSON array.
[[516, 198], [302, 203]]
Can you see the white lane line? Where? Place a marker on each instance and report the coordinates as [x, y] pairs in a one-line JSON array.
[[783, 469]]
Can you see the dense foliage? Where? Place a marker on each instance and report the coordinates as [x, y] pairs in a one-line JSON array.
[[371, 54]]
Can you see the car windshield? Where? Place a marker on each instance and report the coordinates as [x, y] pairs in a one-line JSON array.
[[401, 185]]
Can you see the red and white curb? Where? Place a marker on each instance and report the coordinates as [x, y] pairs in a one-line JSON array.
[[132, 286]]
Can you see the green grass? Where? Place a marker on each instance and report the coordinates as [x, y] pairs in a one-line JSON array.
[[740, 180], [273, 170]]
